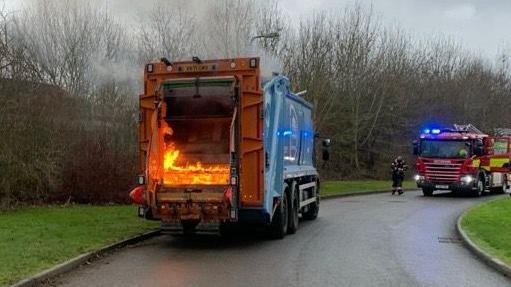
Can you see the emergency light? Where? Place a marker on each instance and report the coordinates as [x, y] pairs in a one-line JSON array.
[[431, 131]]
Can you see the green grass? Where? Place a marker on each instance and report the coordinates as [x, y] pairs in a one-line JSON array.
[[331, 188], [489, 226], [34, 239]]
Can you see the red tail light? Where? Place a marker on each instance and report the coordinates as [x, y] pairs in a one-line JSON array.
[[137, 195], [228, 195]]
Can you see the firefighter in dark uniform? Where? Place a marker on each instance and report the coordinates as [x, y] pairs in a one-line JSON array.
[[398, 174]]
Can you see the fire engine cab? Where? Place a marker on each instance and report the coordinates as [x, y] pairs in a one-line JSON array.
[[463, 159]]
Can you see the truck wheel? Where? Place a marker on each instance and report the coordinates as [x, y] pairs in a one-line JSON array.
[[313, 208], [427, 191], [294, 208], [278, 227], [480, 186]]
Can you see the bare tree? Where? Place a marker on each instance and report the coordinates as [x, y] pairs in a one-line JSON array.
[[63, 40], [164, 34]]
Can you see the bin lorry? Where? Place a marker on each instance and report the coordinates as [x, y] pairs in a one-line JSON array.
[[462, 159], [216, 149]]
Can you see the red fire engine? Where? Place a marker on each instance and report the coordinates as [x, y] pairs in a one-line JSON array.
[[463, 159]]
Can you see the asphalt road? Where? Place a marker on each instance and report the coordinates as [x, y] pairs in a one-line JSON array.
[[374, 240]]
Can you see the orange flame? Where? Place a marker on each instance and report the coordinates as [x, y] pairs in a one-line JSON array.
[[191, 174]]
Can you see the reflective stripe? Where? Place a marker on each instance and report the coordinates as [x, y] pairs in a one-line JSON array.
[[498, 162]]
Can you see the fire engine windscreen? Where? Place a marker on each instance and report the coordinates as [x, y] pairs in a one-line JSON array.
[[197, 143], [445, 148]]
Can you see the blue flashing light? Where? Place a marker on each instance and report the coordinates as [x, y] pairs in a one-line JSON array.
[[435, 131], [426, 131], [287, 133]]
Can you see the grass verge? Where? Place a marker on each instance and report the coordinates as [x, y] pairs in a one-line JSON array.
[[489, 226], [34, 239], [332, 188]]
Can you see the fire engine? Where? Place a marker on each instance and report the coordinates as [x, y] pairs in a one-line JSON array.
[[463, 159]]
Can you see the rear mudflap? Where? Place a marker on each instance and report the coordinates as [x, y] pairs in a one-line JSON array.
[[178, 227]]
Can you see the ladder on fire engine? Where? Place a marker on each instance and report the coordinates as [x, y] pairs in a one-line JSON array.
[[469, 128], [502, 132]]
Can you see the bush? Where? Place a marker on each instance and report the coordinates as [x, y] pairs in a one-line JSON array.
[[58, 148]]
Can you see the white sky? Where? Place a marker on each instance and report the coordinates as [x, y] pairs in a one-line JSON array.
[[483, 26]]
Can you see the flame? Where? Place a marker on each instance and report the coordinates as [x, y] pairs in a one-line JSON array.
[[195, 173]]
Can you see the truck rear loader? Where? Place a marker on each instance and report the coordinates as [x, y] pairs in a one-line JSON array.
[[217, 149]]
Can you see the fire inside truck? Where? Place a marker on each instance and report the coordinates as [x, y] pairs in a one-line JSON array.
[[462, 159]]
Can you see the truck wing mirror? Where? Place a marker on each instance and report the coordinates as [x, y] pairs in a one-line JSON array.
[[326, 149], [415, 147]]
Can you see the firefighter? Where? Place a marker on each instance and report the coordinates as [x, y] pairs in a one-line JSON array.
[[463, 152], [398, 174]]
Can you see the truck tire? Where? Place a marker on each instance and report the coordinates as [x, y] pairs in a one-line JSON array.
[[279, 223], [480, 186], [294, 209], [313, 208], [427, 191], [500, 189]]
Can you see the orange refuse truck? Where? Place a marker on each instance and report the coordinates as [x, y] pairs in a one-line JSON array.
[[216, 149]]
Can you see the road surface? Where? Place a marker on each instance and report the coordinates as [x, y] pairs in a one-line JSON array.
[[374, 240]]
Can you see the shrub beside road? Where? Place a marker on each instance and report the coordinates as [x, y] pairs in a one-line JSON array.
[[489, 226], [34, 239]]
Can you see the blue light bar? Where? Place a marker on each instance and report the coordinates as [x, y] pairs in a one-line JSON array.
[[287, 133], [426, 131], [435, 131]]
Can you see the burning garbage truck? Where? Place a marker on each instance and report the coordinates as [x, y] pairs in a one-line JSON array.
[[216, 149], [463, 159]]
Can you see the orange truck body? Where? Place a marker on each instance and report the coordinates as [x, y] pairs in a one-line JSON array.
[[251, 145]]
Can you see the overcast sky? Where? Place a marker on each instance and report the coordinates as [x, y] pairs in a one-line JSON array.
[[483, 26]]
